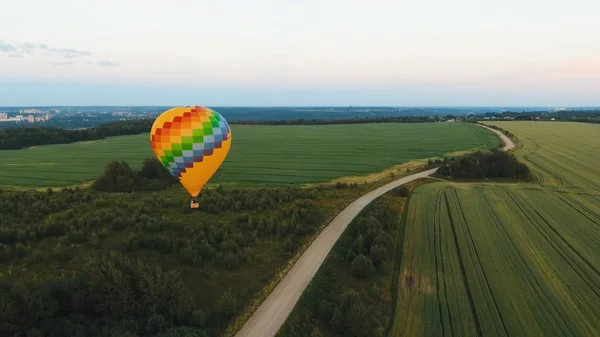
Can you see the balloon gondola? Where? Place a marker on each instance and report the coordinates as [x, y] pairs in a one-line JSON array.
[[191, 142]]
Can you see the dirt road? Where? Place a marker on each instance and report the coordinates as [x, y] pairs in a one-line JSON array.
[[272, 313], [508, 144]]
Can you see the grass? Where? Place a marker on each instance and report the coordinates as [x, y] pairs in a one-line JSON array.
[[483, 260], [273, 155], [494, 259]]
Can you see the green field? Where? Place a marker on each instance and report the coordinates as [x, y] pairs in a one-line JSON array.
[[494, 260], [259, 154], [491, 259], [562, 154]]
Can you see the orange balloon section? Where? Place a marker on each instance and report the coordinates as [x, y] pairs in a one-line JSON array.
[[191, 142]]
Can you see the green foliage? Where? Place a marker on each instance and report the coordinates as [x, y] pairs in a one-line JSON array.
[[119, 177], [344, 298], [480, 165], [401, 191], [226, 304], [110, 249], [362, 266], [103, 297], [22, 137]]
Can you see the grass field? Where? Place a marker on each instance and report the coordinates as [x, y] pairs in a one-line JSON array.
[[259, 154], [562, 154], [494, 260]]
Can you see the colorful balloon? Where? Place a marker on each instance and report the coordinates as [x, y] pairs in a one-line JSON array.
[[191, 142]]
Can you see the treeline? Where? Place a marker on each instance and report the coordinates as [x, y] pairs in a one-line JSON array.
[[357, 120], [485, 164], [23, 137], [349, 295], [120, 177]]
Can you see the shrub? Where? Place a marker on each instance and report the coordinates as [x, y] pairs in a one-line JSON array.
[[402, 191]]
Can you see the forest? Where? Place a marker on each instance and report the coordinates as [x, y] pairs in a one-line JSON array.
[[23, 137], [485, 165], [350, 294], [315, 121], [116, 259]]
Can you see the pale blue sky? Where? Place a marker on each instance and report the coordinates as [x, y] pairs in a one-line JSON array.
[[260, 52]]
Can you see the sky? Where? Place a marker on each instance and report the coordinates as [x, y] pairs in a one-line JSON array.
[[303, 52]]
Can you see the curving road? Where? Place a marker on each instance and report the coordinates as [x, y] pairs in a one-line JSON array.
[[272, 313], [508, 143]]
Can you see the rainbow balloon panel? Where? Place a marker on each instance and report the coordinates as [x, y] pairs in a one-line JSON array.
[[191, 142]]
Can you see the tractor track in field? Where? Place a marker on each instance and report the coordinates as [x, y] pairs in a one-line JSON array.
[[485, 277], [560, 249], [436, 237], [551, 305], [534, 283], [563, 199], [463, 271]]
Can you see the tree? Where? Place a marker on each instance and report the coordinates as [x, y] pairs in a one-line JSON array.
[[362, 266], [227, 303], [402, 191], [154, 169], [118, 177], [378, 254]]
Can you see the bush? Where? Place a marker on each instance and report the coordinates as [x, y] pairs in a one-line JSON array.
[[401, 191]]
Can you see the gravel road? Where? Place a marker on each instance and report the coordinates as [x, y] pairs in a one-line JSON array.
[[272, 313]]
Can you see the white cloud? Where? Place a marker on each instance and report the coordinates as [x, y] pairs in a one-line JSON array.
[[105, 63]]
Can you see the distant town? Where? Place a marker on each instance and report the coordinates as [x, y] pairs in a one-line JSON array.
[[80, 117]]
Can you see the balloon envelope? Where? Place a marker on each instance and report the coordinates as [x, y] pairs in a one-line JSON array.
[[191, 142]]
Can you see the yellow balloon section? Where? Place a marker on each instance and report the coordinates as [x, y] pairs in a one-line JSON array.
[[191, 142]]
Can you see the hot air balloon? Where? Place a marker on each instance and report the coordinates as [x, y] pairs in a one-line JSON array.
[[191, 142]]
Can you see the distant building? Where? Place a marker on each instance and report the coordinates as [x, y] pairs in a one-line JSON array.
[[30, 111], [30, 119]]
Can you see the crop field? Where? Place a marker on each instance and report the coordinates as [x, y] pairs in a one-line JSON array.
[[492, 259], [259, 154], [499, 260], [562, 154]]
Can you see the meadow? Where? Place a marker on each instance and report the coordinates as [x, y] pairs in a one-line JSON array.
[[499, 260], [496, 259], [266, 155]]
